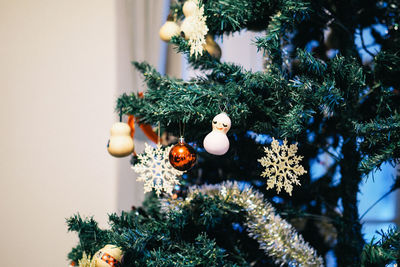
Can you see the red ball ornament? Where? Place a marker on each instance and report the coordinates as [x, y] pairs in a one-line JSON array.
[[182, 156]]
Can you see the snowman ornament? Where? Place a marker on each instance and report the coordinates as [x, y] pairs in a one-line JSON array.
[[217, 142]]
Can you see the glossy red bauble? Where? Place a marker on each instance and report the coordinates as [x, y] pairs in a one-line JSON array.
[[182, 156]]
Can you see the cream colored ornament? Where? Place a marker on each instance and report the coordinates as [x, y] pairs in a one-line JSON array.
[[109, 256], [168, 30], [217, 142], [189, 8], [120, 143]]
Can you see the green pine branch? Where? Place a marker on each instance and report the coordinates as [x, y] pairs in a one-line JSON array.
[[381, 142], [91, 237], [384, 251]]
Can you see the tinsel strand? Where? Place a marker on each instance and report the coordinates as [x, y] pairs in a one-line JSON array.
[[275, 235]]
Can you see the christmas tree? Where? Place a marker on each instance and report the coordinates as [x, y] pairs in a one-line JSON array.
[[250, 198]]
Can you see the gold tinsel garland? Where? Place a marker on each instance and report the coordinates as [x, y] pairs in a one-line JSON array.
[[275, 235]]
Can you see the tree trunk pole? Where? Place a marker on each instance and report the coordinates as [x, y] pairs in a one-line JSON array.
[[350, 241]]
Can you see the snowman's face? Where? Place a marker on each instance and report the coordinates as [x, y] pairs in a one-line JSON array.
[[221, 123]]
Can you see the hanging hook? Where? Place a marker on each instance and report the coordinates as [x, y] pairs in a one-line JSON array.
[[224, 107]]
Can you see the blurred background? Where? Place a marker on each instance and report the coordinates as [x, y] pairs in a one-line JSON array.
[[63, 64]]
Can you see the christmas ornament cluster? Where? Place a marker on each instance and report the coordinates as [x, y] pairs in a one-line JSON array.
[[159, 168], [193, 28], [155, 167]]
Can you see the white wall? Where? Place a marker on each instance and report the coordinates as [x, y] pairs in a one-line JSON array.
[[58, 84], [237, 48]]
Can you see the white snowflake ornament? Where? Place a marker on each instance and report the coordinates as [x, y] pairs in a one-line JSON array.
[[155, 170], [194, 26], [282, 166]]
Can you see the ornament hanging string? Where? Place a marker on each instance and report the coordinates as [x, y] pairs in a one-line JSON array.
[[181, 129], [223, 110]]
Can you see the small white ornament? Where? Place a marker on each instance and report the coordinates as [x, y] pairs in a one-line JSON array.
[[121, 142], [217, 142], [168, 30], [189, 8], [155, 170]]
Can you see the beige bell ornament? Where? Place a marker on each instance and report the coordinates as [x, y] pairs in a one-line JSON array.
[[121, 142]]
